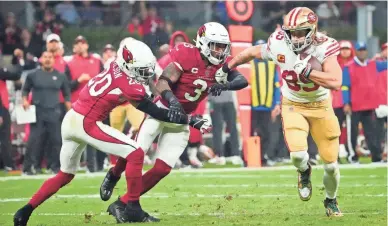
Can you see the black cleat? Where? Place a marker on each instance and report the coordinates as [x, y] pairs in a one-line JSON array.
[[332, 209], [108, 184], [22, 215], [117, 209], [136, 214]]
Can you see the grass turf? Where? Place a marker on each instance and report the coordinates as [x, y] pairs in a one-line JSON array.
[[233, 197]]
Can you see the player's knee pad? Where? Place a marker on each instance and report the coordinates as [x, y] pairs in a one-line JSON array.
[[161, 168], [331, 168], [299, 156]]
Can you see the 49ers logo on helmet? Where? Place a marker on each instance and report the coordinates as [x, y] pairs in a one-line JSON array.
[[127, 56], [201, 31], [312, 18]]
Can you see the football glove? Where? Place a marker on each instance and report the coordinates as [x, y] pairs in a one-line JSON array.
[[217, 89], [303, 67], [201, 124], [175, 111], [222, 74]]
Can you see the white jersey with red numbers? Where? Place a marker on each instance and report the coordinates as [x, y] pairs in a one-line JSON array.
[[296, 88]]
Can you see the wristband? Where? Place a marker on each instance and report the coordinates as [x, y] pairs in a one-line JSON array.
[[307, 71], [225, 68]]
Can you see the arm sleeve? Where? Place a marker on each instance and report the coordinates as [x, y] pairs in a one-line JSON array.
[[236, 80], [73, 84], [346, 85], [65, 89], [277, 87], [156, 112], [381, 66], [27, 85]]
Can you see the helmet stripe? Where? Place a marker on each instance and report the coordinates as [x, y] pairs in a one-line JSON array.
[[297, 14], [290, 19]]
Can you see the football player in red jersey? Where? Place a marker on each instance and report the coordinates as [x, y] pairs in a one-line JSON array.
[[121, 81], [187, 79]]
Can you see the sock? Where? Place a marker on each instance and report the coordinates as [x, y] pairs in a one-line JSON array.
[[119, 168], [50, 187], [133, 175], [300, 159], [154, 175], [112, 159], [331, 179], [192, 152]]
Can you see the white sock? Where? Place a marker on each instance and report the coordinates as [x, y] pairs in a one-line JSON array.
[[300, 159], [192, 152], [331, 179]]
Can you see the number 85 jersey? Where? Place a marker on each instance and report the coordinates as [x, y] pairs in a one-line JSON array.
[[297, 88], [196, 78]]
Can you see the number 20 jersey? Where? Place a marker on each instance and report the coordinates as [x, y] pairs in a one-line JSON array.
[[196, 78], [297, 88]]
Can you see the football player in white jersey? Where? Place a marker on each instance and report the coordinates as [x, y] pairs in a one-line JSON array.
[[306, 104]]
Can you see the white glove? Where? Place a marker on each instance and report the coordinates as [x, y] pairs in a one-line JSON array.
[[201, 124], [221, 76], [382, 111], [207, 127], [302, 67]]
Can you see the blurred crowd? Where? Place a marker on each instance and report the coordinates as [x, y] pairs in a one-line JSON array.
[[34, 147]]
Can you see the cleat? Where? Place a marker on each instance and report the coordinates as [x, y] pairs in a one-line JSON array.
[[136, 214], [304, 184], [332, 209], [22, 215], [107, 186], [117, 209]]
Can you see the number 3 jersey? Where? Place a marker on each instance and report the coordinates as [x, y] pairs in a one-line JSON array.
[[109, 89], [196, 78], [297, 88]]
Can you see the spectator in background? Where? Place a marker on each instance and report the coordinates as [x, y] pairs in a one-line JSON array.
[[48, 26], [10, 35], [346, 55], [45, 84], [39, 11], [83, 66], [151, 20], [135, 28], [169, 28], [360, 98], [67, 12], [31, 49], [109, 53], [90, 14], [327, 12], [12, 74], [265, 105]]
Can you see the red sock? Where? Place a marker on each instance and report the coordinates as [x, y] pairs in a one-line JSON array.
[[133, 174], [50, 187], [119, 168], [154, 175], [113, 159]]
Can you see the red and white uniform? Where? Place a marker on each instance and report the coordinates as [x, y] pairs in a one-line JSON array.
[[190, 90], [83, 124], [298, 89]]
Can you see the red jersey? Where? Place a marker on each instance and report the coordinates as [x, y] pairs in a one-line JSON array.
[[109, 89], [196, 78]]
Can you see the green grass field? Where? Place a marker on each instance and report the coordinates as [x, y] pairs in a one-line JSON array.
[[210, 197]]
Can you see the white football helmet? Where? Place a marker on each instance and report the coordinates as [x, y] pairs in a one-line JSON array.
[[136, 59], [213, 42]]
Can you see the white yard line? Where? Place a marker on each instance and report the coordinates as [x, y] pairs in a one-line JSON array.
[[189, 195], [186, 214], [219, 170]]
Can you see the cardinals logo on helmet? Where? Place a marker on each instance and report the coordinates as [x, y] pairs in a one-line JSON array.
[[312, 18], [201, 31], [127, 56]]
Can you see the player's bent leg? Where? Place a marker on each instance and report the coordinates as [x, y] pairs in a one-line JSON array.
[[147, 134], [300, 161], [154, 175], [331, 178]]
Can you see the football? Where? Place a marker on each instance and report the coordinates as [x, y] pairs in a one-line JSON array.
[[315, 64]]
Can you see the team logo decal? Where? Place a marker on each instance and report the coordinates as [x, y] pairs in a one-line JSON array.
[[312, 18], [201, 31], [281, 58], [127, 55]]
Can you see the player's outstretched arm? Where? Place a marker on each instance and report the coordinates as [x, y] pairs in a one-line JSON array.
[[169, 77], [245, 56], [235, 81], [330, 77], [161, 114]]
